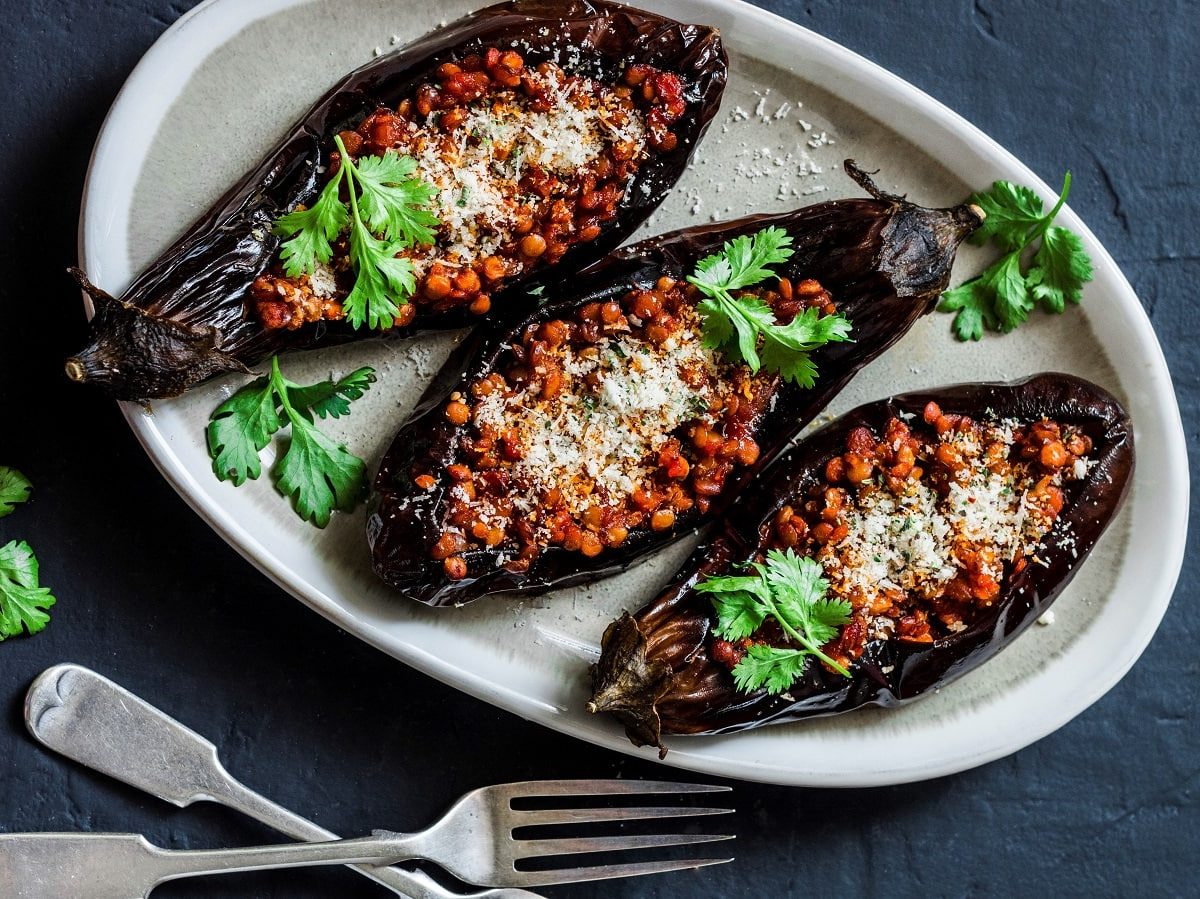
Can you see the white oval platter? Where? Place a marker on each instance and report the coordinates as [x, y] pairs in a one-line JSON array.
[[226, 80]]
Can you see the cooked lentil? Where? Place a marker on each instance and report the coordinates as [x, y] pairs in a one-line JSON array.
[[597, 425], [526, 162], [919, 527]]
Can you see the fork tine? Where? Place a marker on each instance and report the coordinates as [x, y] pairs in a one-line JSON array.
[[608, 872], [576, 845], [605, 787], [531, 817]]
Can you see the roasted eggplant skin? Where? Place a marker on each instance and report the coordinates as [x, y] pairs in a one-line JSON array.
[[189, 315], [885, 260], [655, 676]]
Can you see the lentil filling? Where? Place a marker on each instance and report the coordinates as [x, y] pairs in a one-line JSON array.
[[526, 161], [918, 527], [615, 419]]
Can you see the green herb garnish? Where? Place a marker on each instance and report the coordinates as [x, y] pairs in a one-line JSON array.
[[790, 590], [23, 600], [14, 489], [1002, 297], [744, 327], [318, 474], [386, 213]]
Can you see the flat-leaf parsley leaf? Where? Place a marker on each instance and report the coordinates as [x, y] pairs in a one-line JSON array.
[[393, 201], [14, 489], [744, 327], [790, 590], [318, 474], [23, 600], [240, 428], [1002, 297], [315, 230], [332, 399], [1010, 210], [386, 214]]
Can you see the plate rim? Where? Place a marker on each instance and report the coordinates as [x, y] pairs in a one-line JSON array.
[[156, 444]]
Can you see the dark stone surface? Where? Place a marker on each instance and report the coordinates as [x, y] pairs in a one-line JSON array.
[[148, 595]]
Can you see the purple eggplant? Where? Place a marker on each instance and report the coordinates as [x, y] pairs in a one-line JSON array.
[[190, 315], [884, 261], [663, 669]]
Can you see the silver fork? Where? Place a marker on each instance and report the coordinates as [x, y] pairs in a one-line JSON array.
[[126, 866], [88, 718], [474, 840]]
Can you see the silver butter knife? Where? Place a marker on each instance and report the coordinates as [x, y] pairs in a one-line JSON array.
[[88, 718]]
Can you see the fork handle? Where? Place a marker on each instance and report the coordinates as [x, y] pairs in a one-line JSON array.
[[411, 883], [176, 863], [89, 718]]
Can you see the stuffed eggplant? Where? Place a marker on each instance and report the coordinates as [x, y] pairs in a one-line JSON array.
[[421, 191], [915, 537], [605, 424]]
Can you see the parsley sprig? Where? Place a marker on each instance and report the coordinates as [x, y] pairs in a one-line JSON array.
[[1002, 297], [318, 474], [23, 600], [386, 213], [14, 489], [790, 590], [744, 327]]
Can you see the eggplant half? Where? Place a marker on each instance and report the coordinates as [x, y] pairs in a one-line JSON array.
[[665, 670], [882, 262], [193, 313]]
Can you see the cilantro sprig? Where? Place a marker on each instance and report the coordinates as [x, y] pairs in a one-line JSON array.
[[790, 590], [1002, 297], [316, 473], [23, 600], [744, 327], [385, 214]]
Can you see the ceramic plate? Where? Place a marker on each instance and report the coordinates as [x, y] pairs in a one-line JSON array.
[[222, 85]]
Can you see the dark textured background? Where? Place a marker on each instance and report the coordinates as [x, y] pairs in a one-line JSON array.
[[150, 596]]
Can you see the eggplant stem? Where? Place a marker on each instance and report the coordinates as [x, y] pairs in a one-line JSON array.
[[864, 180], [75, 370], [98, 295]]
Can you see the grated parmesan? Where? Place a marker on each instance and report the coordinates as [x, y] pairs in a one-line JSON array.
[[621, 402], [914, 542], [477, 167], [322, 280]]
